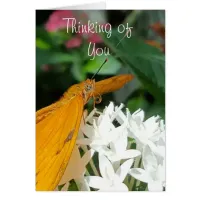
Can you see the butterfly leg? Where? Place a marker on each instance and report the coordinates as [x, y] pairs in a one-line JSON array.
[[97, 99]]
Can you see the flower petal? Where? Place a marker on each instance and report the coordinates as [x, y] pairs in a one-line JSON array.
[[149, 159], [88, 130], [87, 157], [124, 169], [95, 38], [151, 125], [84, 141], [160, 175], [102, 150], [109, 110], [115, 133], [119, 145], [118, 114], [70, 173], [132, 153], [138, 115], [106, 168], [121, 187], [82, 184], [56, 21], [105, 126], [124, 155], [90, 116], [140, 174], [73, 42], [97, 182]]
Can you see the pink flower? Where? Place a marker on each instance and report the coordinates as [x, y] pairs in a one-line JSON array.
[[77, 40], [95, 38], [56, 22], [74, 42]]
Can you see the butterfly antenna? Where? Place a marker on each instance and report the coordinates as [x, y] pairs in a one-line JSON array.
[[100, 68], [111, 54]]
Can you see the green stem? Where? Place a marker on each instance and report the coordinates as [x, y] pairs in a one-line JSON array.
[[94, 168], [133, 181]]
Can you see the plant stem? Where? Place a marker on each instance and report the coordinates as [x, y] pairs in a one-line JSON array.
[[133, 181], [94, 168]]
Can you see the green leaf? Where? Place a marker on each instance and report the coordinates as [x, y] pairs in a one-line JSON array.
[[42, 44], [156, 109], [136, 103], [50, 57], [146, 62], [110, 68], [78, 72], [53, 39], [44, 36], [60, 37]]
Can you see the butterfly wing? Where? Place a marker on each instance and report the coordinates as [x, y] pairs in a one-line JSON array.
[[46, 111], [112, 84], [55, 139]]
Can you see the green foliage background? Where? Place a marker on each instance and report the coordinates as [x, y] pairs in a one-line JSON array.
[[57, 67]]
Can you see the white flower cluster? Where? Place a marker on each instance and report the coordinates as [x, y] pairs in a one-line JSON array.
[[129, 150]]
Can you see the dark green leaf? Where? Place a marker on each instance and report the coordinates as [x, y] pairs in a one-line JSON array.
[[146, 62], [49, 57], [137, 103], [156, 109], [78, 72], [43, 35]]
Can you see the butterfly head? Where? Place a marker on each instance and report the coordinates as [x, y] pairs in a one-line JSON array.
[[89, 91], [89, 86]]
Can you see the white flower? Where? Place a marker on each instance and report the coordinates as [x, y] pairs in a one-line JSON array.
[[108, 134], [110, 180], [153, 172], [77, 166], [148, 132], [119, 151], [101, 132], [107, 139]]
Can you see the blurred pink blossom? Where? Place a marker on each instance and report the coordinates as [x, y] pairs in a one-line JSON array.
[[92, 37], [74, 42], [95, 38], [56, 22]]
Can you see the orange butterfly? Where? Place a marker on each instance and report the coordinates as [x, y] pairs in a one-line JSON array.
[[57, 127]]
